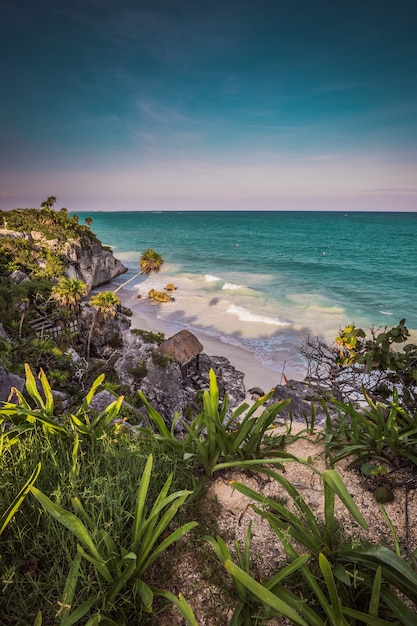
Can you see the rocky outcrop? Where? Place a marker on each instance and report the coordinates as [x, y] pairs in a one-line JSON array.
[[302, 396], [7, 382], [84, 257], [162, 382], [91, 262]]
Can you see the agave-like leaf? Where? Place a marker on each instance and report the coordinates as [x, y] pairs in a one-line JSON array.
[[155, 416], [376, 593], [84, 406], [74, 524], [141, 500], [17, 501], [49, 399], [38, 619], [336, 604], [264, 594], [70, 585], [32, 389], [181, 604], [333, 479]]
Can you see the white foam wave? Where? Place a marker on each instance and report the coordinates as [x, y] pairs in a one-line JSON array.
[[211, 279], [246, 316], [386, 313], [231, 286]]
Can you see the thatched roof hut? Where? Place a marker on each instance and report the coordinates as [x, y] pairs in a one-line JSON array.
[[182, 347]]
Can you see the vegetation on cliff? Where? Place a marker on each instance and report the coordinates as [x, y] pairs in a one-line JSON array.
[[26, 237]]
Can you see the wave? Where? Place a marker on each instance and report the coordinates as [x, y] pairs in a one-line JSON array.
[[231, 286], [246, 316], [386, 313], [211, 279]]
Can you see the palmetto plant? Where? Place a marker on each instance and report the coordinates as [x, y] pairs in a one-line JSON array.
[[150, 261], [334, 580], [217, 442], [83, 422], [386, 432], [119, 568]]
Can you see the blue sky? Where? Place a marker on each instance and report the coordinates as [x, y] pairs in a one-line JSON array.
[[160, 105]]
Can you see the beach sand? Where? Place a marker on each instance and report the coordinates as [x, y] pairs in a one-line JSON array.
[[256, 374]]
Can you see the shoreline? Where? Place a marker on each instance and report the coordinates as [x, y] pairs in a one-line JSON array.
[[256, 374]]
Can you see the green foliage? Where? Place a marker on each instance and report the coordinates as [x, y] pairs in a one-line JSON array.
[[335, 580], [81, 463], [17, 501], [161, 360], [397, 368], [148, 336], [385, 432], [123, 567], [140, 370], [37, 258], [248, 605], [218, 443]]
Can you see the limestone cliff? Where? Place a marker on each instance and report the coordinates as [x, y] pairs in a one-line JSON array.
[[92, 263], [45, 243]]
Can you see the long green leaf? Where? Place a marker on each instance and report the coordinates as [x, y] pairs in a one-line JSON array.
[[90, 394], [141, 499], [70, 585], [49, 399], [288, 570], [80, 612], [17, 501], [264, 594], [376, 593], [370, 619], [174, 536], [156, 417], [181, 604], [73, 523], [394, 569], [336, 604], [145, 593], [32, 389], [105, 417], [333, 479]]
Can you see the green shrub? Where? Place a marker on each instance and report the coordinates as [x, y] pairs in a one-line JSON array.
[[149, 336]]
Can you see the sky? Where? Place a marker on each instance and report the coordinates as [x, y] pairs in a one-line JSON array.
[[209, 105]]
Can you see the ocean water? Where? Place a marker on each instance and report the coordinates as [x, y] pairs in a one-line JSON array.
[[264, 280]]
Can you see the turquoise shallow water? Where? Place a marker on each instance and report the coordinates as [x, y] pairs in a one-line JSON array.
[[263, 280]]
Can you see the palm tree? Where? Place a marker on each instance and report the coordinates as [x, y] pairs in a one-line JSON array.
[[49, 202], [105, 304], [150, 261], [88, 221], [68, 294]]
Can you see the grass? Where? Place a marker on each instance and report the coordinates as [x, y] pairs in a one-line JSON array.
[[93, 524]]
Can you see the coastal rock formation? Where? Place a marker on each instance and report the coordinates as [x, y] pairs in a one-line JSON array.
[[7, 381], [302, 396], [91, 262], [160, 378], [52, 243]]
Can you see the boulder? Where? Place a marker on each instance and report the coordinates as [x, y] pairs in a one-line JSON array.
[[302, 396], [7, 381]]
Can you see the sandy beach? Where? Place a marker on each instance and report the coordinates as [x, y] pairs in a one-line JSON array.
[[256, 374]]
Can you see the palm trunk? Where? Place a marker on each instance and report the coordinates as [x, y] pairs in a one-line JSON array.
[[128, 281]]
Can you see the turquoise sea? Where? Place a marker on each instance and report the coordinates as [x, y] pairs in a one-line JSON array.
[[263, 280]]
